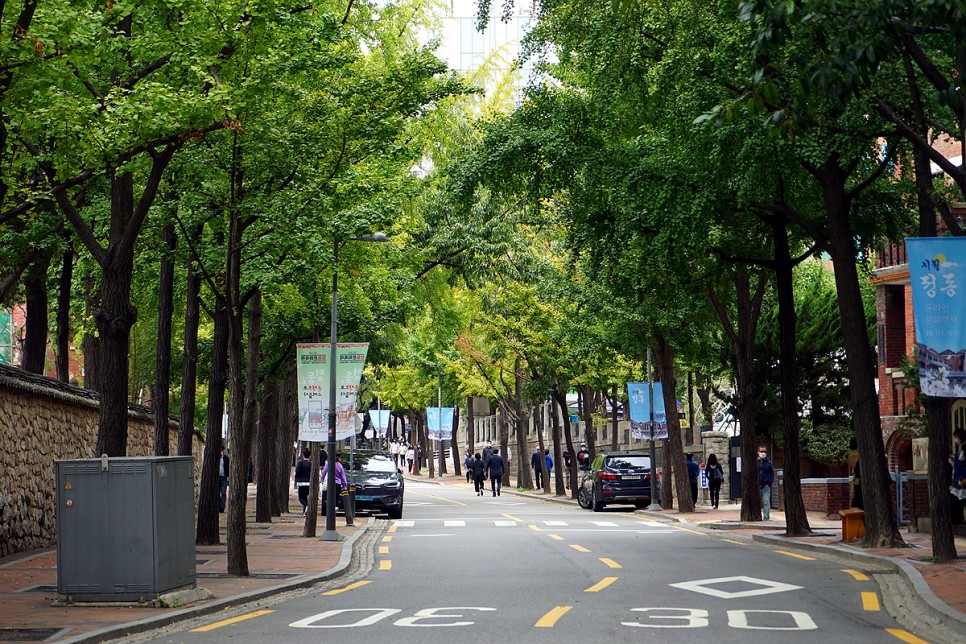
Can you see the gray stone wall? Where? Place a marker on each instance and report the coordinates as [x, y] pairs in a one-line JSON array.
[[43, 421]]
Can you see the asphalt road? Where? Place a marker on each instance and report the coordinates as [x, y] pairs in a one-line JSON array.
[[460, 567]]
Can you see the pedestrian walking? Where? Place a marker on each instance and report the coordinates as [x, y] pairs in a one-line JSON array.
[[341, 481], [494, 469], [537, 468], [549, 459], [766, 476], [410, 458], [303, 477], [478, 469], [394, 451], [855, 479], [583, 457], [715, 476], [694, 471], [222, 480], [568, 465], [487, 451], [468, 464]]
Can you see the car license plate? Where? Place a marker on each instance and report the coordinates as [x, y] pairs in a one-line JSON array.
[[632, 477], [364, 498]]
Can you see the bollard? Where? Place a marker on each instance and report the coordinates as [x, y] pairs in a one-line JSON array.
[[349, 503]]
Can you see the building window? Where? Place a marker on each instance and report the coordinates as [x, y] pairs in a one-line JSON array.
[[471, 45]]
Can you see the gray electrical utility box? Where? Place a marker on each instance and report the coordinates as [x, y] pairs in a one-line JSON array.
[[125, 527]]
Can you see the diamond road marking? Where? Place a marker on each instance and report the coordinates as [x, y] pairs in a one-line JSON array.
[[454, 524], [404, 524], [504, 524], [604, 524], [703, 586], [554, 523]]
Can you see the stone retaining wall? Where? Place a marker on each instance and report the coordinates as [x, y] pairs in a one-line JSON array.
[[42, 421]]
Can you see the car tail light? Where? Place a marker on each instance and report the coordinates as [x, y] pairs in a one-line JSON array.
[[607, 476]]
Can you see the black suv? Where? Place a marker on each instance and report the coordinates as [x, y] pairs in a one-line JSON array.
[[617, 477], [379, 483]]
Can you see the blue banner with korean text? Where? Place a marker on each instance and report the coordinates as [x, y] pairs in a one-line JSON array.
[[937, 269], [439, 426], [640, 411]]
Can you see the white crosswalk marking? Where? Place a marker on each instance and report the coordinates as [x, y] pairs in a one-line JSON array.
[[554, 523], [653, 524], [454, 524], [502, 523], [404, 524], [604, 524]]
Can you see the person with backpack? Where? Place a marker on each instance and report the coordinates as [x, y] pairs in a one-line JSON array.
[[303, 476], [468, 464], [715, 476]]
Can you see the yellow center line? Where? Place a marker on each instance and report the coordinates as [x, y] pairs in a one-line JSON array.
[[610, 563], [511, 517], [357, 584], [548, 620], [536, 528], [870, 601], [601, 585], [555, 537], [392, 528], [740, 543], [233, 620], [905, 636], [688, 530], [579, 548], [384, 550], [439, 498], [387, 538], [385, 564], [856, 575], [795, 554]]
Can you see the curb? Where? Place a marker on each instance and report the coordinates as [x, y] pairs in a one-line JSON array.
[[929, 602], [120, 630]]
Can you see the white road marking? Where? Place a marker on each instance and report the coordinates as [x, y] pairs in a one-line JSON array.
[[454, 524], [554, 523], [504, 524], [766, 587], [403, 524], [653, 524], [604, 524]]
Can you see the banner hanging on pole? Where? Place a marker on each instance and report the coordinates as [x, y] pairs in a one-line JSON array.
[[380, 421], [440, 428], [937, 269], [313, 372], [640, 411]]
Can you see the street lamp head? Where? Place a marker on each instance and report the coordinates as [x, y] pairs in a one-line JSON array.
[[374, 237]]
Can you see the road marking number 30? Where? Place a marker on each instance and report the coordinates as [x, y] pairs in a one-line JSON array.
[[426, 618], [787, 620]]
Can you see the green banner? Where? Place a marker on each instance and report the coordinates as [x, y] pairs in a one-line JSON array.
[[313, 372]]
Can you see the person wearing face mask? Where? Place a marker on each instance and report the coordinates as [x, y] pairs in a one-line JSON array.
[[958, 486], [766, 476]]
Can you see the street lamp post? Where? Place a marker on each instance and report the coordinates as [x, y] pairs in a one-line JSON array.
[[330, 533]]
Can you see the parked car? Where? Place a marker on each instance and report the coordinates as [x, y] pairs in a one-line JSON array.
[[379, 484], [617, 477]]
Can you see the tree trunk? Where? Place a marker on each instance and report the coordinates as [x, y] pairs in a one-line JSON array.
[[162, 368], [470, 426], [504, 429], [286, 420], [189, 366], [541, 449], [114, 320], [560, 397], [63, 315], [796, 521], [587, 409], [35, 332], [267, 441], [881, 529], [558, 461], [207, 528], [674, 452], [937, 418], [454, 444], [91, 344], [520, 422], [615, 401]]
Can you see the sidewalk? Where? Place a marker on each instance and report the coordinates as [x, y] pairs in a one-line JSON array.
[[279, 559]]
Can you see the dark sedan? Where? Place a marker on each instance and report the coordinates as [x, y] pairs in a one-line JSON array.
[[617, 477], [379, 483]]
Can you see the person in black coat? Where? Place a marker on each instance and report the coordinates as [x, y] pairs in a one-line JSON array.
[[537, 469], [494, 468], [303, 477], [478, 469], [715, 476]]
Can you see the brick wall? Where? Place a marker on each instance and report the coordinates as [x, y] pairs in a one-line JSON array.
[[827, 496]]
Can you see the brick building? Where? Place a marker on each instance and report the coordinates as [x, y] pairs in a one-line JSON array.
[[896, 343]]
